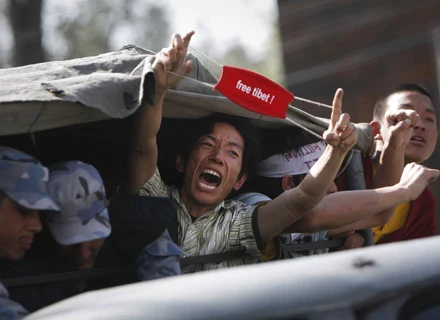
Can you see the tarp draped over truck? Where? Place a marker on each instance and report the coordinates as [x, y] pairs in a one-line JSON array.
[[60, 94], [112, 85]]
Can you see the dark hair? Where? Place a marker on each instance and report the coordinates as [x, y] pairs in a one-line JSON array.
[[382, 104], [284, 139], [199, 127]]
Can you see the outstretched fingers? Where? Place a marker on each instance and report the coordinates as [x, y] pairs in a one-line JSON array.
[[187, 66], [343, 122], [341, 133], [417, 177], [409, 117], [170, 63], [336, 109], [187, 38], [331, 134], [349, 135], [181, 43], [180, 46], [176, 41]]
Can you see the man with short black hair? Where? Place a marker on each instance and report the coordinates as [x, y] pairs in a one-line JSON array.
[[207, 224], [405, 130], [23, 194]]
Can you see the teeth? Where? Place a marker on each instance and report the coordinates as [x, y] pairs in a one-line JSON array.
[[212, 172], [206, 186]]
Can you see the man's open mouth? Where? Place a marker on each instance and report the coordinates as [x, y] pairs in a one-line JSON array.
[[418, 139], [210, 179]]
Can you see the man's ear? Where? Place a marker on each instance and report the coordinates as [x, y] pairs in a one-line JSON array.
[[287, 182], [180, 165], [375, 126], [240, 182]]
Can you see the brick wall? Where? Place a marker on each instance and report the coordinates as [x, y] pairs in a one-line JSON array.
[[364, 47]]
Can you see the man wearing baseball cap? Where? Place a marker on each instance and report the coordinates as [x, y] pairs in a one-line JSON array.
[[74, 237], [23, 194], [84, 223], [77, 234]]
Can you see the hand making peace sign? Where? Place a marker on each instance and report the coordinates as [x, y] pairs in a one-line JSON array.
[[172, 59], [341, 133]]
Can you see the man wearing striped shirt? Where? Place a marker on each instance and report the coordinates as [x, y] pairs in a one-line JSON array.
[[216, 161]]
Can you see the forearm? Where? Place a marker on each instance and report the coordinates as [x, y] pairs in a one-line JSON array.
[[142, 159], [146, 124], [316, 183], [389, 167], [273, 217], [292, 204], [378, 219], [358, 208]]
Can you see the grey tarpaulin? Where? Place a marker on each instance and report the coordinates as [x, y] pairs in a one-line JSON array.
[[60, 93]]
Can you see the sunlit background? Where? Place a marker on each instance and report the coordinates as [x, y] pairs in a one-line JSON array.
[[234, 32]]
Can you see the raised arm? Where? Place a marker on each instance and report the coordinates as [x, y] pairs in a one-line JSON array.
[[291, 205], [357, 209], [389, 166], [391, 148], [147, 120]]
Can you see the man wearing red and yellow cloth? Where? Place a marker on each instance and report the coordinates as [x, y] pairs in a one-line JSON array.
[[411, 220], [405, 130]]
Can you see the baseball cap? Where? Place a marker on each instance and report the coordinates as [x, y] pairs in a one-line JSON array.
[[24, 179], [79, 190], [293, 162]]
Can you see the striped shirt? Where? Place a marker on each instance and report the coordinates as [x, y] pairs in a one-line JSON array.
[[227, 227]]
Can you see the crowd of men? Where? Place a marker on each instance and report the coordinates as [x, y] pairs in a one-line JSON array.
[[229, 203]]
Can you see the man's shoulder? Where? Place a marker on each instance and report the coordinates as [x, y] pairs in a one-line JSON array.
[[251, 198], [155, 186], [236, 207]]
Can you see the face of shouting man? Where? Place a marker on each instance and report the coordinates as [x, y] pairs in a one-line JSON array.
[[213, 168]]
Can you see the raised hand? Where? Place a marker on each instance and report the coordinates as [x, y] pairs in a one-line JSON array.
[[172, 59], [341, 133], [401, 123], [415, 178], [409, 116]]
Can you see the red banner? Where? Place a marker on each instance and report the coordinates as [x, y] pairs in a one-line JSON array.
[[254, 92]]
